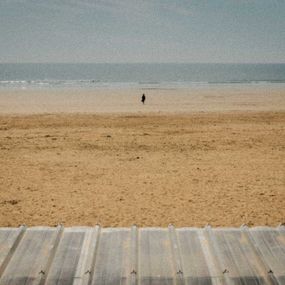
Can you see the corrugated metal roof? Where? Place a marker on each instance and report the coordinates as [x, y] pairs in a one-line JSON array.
[[97, 256]]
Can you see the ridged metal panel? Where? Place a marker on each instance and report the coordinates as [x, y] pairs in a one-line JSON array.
[[112, 256], [240, 261], [271, 245], [30, 259], [197, 262]]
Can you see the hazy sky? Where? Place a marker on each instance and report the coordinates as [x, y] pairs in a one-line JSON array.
[[142, 31]]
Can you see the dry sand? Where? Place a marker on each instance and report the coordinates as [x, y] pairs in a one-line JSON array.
[[223, 168]]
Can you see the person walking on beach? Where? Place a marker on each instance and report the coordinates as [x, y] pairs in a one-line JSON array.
[[143, 98]]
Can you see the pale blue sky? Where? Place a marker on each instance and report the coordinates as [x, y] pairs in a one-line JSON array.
[[142, 31]]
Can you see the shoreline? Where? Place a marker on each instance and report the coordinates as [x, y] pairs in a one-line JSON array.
[[111, 86]]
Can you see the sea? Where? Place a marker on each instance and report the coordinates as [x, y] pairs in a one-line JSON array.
[[137, 75]]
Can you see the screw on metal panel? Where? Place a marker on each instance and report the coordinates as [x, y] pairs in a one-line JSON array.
[[133, 272], [225, 271], [42, 272], [88, 272], [179, 272]]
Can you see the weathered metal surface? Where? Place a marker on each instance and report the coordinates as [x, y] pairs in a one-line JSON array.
[[112, 256], [198, 266], [271, 246], [240, 261], [30, 259]]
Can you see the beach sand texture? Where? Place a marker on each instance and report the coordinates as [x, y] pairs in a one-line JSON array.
[[203, 99], [223, 168]]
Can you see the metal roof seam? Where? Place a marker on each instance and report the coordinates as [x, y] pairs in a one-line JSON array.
[[176, 260], [216, 254], [259, 257], [175, 250], [22, 230], [208, 255], [93, 263], [83, 268], [256, 248], [134, 256], [44, 272], [138, 257]]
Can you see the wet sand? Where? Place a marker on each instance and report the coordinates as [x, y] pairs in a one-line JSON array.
[[225, 168], [234, 98]]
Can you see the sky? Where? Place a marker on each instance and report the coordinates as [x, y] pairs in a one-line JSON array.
[[115, 31]]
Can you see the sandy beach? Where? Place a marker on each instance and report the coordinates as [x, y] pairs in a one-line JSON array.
[[228, 98], [188, 157]]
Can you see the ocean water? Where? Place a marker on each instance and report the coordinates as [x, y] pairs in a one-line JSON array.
[[165, 75]]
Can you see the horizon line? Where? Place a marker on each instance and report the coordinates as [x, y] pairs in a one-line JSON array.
[[139, 62]]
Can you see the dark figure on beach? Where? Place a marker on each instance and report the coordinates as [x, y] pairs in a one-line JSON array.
[[143, 98]]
